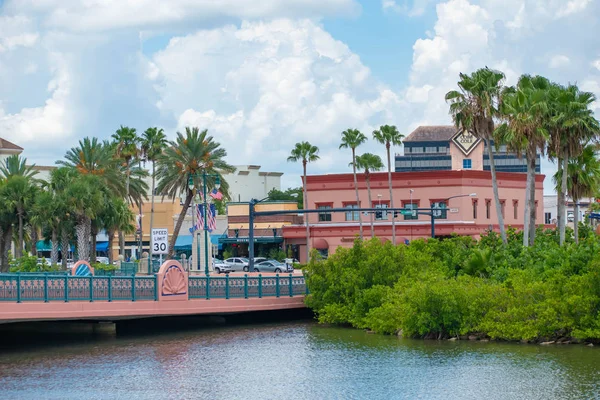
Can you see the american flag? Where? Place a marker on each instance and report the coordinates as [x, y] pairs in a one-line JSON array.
[[199, 219], [211, 221], [215, 194]]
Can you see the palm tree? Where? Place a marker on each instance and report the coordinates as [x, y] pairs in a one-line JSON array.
[[126, 143], [154, 142], [84, 199], [92, 157], [60, 179], [389, 136], [583, 180], [47, 213], [572, 125], [189, 155], [351, 139], [19, 193], [525, 110], [116, 217], [369, 163], [474, 107], [305, 152]]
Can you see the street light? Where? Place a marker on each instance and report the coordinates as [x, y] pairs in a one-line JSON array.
[[446, 200]]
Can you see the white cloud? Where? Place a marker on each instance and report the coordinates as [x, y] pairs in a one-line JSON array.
[[110, 14], [411, 8], [559, 61], [266, 86], [16, 31], [572, 7], [596, 64]]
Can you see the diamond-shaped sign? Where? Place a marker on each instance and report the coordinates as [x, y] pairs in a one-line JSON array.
[[465, 141]]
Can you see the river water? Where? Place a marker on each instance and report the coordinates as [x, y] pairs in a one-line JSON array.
[[294, 360]]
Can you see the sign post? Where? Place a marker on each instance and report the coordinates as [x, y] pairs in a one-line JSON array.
[[160, 242]]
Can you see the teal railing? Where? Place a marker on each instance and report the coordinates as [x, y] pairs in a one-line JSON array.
[[46, 287]]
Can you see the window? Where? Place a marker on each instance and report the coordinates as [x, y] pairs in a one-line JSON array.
[[502, 204], [323, 253], [488, 209], [411, 206], [547, 218], [440, 209], [467, 163], [516, 210], [351, 215], [379, 215], [324, 217], [474, 209]]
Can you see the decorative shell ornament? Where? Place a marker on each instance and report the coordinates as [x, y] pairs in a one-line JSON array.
[[174, 282]]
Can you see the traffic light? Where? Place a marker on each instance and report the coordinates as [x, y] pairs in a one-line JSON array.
[[396, 213], [378, 214]]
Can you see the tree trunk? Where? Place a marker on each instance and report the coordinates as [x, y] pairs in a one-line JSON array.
[[82, 241], [93, 233], [152, 206], [127, 179], [496, 195], [111, 239], [6, 241], [34, 240], [306, 215], [121, 243], [2, 269], [532, 210], [54, 251], [387, 145], [526, 220], [368, 180], [560, 203], [186, 205], [576, 220], [360, 224], [565, 175], [19, 247], [65, 247]]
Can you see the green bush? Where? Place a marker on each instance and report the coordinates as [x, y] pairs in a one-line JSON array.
[[104, 267], [442, 288], [30, 264]]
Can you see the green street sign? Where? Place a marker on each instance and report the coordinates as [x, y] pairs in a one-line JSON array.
[[406, 212]]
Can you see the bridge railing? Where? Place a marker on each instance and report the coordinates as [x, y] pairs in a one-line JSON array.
[[64, 288]]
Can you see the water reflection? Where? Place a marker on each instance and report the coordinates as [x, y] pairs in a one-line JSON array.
[[295, 361]]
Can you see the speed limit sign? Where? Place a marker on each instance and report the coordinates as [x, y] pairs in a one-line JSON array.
[[160, 241]]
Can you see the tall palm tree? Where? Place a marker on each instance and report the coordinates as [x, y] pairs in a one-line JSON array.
[[525, 111], [474, 107], [19, 193], [48, 211], [7, 221], [351, 139], [154, 142], [93, 157], [189, 155], [116, 217], [126, 143], [60, 179], [305, 152], [369, 163], [583, 180], [572, 125], [389, 136]]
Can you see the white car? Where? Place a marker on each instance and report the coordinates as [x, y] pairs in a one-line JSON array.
[[102, 260], [221, 267]]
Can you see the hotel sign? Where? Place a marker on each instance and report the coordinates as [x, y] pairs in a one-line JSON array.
[[465, 141]]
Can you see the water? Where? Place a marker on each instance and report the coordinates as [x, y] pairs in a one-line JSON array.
[[298, 360]]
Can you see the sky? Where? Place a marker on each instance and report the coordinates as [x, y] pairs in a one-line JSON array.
[[262, 76]]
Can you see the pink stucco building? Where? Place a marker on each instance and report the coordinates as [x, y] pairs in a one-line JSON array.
[[470, 215]]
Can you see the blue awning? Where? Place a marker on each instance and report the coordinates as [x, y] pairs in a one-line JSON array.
[[101, 246], [43, 245], [184, 242], [215, 240]]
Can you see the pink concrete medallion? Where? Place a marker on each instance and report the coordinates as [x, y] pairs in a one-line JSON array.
[[173, 281]]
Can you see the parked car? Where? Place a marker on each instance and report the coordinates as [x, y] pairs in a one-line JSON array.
[[238, 263], [272, 266], [259, 260], [102, 260], [221, 267]]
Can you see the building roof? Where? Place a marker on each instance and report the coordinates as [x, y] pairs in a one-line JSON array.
[[5, 144], [435, 133]]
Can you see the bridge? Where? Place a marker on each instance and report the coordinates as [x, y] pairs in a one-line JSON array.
[[170, 292]]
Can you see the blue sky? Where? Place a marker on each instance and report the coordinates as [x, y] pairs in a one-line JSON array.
[[262, 76]]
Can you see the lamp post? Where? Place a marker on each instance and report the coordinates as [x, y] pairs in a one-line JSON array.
[[432, 214], [217, 186]]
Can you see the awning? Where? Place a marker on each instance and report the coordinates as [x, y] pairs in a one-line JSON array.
[[184, 242], [216, 241], [43, 245], [101, 246], [320, 244]]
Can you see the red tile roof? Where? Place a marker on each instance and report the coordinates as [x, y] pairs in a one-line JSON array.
[[5, 144]]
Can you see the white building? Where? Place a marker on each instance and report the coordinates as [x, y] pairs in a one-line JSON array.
[[551, 209], [7, 149], [248, 182]]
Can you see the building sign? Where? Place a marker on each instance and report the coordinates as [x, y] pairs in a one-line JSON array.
[[160, 241], [465, 141]]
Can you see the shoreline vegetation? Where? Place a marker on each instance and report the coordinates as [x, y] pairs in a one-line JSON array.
[[461, 289]]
